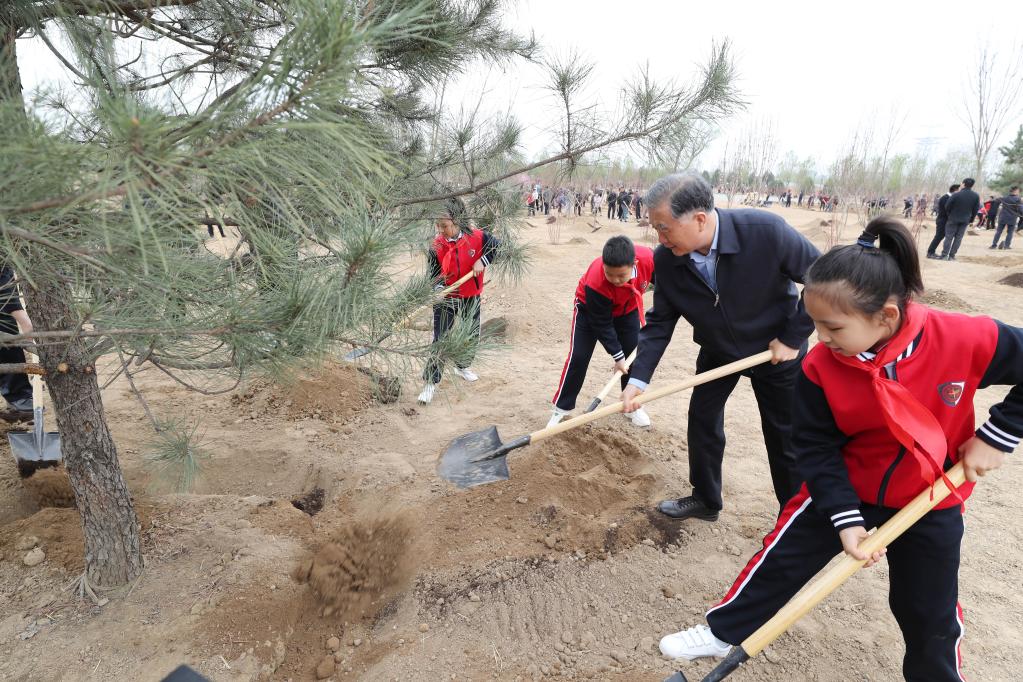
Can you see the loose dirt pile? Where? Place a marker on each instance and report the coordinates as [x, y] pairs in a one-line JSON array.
[[939, 298], [50, 487], [1013, 280], [59, 532], [361, 566], [335, 392]]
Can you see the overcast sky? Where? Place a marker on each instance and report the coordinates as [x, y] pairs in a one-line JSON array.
[[817, 70]]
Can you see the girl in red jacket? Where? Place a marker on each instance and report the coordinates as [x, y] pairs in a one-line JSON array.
[[457, 250], [883, 407]]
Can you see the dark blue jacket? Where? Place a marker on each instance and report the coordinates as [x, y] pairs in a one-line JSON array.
[[760, 260], [962, 206]]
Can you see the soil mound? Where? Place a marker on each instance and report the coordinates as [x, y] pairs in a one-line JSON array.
[[362, 565], [939, 298], [50, 487], [1013, 280], [578, 492], [335, 392], [60, 536]]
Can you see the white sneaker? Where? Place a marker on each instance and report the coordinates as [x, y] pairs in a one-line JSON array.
[[466, 374], [556, 417], [696, 642], [427, 395], [639, 418]]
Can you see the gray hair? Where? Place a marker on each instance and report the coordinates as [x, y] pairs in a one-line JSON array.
[[686, 192]]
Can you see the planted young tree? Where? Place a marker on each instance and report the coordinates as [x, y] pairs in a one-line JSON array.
[[313, 127]]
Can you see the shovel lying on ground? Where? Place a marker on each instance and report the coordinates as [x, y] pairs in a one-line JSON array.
[[38, 449], [830, 580], [610, 384], [480, 457], [357, 353]]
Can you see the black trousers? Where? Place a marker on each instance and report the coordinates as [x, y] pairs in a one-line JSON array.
[[14, 386], [610, 211], [773, 387], [444, 316], [582, 341], [954, 233], [1009, 228], [939, 236], [923, 582]]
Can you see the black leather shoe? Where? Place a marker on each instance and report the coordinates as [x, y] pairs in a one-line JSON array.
[[933, 256], [687, 508]]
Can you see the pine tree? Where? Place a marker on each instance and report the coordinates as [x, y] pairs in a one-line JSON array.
[[310, 126], [1011, 173]]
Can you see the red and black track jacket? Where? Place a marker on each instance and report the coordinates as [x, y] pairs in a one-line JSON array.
[[602, 301], [853, 416], [452, 258]]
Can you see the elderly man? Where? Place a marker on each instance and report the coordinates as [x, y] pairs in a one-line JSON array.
[[732, 275]]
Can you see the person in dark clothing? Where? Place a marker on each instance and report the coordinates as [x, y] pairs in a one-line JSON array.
[[624, 199], [15, 388], [612, 204], [940, 221], [992, 213], [1011, 209], [962, 208], [732, 275]]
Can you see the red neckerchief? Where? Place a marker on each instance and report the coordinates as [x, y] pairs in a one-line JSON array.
[[912, 424], [639, 296]]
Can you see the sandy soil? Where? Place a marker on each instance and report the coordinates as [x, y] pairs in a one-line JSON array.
[[562, 571]]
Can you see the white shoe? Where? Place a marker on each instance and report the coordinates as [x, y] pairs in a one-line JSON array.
[[556, 417], [696, 642], [467, 374], [427, 395], [639, 418]]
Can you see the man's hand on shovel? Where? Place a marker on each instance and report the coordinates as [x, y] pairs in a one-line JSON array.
[[629, 396]]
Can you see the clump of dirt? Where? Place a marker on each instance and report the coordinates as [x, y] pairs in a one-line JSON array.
[[334, 392], [361, 566], [939, 298], [59, 532], [311, 503], [577, 492], [50, 487], [1013, 280]]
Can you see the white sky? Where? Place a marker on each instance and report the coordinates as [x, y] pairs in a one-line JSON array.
[[817, 70]]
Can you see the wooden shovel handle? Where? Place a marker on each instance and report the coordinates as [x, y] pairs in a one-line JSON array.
[[654, 394], [439, 296], [616, 377], [829, 581]]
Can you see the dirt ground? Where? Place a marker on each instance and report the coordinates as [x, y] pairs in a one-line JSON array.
[[563, 571]]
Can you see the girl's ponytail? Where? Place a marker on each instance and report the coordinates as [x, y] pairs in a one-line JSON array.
[[895, 240], [881, 264]]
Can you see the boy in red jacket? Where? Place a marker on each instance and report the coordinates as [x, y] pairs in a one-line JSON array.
[[457, 250], [608, 308]]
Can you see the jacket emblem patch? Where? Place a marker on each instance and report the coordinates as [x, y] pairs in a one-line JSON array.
[[951, 392], [472, 252]]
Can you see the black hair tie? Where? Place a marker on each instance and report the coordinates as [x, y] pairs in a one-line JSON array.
[[866, 240]]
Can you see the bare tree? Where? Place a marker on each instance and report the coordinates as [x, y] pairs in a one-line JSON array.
[[991, 100]]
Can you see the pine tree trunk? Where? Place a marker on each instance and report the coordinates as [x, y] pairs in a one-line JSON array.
[[113, 554], [10, 78]]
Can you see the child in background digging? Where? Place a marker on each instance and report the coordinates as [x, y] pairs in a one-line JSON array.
[[608, 308], [883, 407], [457, 250]]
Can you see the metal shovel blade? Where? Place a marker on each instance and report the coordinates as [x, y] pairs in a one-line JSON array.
[[357, 353], [457, 464], [37, 446]]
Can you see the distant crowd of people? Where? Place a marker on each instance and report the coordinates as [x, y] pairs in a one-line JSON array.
[[619, 204]]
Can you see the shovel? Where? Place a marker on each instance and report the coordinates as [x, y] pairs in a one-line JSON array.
[[480, 457], [357, 353], [38, 449], [610, 383], [830, 580]]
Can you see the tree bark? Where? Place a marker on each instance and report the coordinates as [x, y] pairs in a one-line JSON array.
[[113, 554], [10, 78]]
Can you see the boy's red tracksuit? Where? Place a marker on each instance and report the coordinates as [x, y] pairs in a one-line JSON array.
[[870, 433], [450, 259], [606, 313]]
